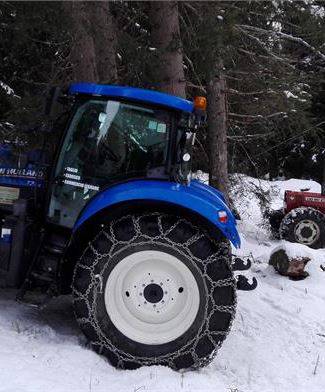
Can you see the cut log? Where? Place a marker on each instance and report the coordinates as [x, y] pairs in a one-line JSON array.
[[287, 265]]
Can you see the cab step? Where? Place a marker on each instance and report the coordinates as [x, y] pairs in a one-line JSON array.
[[34, 299]]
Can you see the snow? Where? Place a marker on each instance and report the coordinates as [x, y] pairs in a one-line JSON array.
[[6, 88], [289, 94], [277, 342], [318, 10], [294, 251]]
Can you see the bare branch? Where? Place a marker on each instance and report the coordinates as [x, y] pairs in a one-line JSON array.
[[280, 34], [193, 9], [254, 136], [199, 87], [203, 149], [236, 92], [257, 116], [263, 46], [189, 61]]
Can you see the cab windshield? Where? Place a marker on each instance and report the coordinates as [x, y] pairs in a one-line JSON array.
[[106, 141]]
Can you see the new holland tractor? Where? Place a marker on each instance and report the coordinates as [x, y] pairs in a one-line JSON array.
[[116, 220]]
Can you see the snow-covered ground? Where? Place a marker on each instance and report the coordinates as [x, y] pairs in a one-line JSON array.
[[277, 342]]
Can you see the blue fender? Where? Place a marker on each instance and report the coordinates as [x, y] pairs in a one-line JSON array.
[[196, 196]]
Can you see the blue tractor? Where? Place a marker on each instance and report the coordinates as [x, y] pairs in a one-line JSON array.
[[116, 220]]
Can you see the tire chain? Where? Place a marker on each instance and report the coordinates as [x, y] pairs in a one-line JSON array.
[[97, 284]]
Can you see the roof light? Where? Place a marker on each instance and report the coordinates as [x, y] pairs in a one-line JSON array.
[[200, 103], [223, 216]]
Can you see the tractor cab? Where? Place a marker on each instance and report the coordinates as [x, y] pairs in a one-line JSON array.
[[116, 134]]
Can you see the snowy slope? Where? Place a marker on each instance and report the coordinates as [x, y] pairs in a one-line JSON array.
[[277, 342]]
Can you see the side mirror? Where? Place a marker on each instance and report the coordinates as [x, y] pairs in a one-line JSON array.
[[51, 100]]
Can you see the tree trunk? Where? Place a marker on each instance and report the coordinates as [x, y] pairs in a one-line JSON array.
[[165, 37], [82, 55], [104, 36], [217, 132]]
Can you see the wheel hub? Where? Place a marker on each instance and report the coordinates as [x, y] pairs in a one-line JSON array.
[[307, 232], [152, 297], [153, 293]]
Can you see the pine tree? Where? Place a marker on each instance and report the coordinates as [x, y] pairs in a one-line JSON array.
[[165, 39]]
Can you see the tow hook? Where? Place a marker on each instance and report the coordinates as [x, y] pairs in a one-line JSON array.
[[243, 283], [239, 264]]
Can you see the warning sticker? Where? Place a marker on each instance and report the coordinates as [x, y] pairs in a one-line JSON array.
[[8, 195]]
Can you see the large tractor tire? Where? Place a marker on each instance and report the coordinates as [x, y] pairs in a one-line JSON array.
[[154, 289], [304, 225]]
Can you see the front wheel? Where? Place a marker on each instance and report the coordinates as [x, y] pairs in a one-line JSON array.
[[154, 289]]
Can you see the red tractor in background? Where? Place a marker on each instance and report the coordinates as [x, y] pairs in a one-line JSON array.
[[302, 218]]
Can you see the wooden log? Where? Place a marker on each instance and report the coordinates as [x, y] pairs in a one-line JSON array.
[[285, 265]]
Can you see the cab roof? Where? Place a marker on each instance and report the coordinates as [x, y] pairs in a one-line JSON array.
[[133, 94]]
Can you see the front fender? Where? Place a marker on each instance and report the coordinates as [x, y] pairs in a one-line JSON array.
[[197, 197]]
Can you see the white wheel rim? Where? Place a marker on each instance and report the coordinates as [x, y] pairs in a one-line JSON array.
[[307, 227], [152, 297]]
